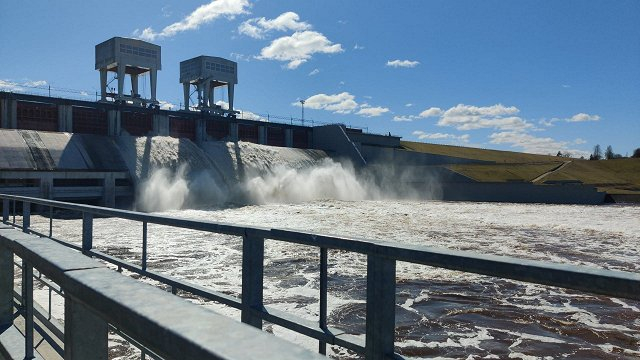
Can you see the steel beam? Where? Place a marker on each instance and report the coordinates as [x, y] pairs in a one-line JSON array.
[[381, 302], [252, 278], [85, 334]]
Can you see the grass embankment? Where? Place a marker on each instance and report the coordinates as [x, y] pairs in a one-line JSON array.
[[504, 172], [620, 176], [496, 156]]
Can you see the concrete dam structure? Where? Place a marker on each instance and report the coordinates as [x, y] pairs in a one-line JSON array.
[[87, 151], [100, 151]]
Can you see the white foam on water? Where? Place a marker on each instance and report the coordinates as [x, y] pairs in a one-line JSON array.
[[530, 231]]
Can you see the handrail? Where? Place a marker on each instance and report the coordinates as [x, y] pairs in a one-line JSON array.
[[381, 259], [161, 323]]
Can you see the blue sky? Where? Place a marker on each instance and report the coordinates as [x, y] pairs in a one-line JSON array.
[[534, 76]]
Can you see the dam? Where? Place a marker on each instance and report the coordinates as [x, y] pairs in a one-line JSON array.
[[102, 152], [99, 152], [131, 223]]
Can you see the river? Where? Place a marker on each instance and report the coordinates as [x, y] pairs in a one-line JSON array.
[[440, 313]]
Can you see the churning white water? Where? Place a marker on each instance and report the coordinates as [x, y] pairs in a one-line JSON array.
[[439, 313]]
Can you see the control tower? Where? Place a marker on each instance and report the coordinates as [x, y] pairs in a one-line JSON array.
[[206, 73], [128, 57]]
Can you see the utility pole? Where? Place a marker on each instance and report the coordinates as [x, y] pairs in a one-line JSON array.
[[302, 103]]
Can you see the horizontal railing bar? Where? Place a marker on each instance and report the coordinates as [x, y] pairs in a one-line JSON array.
[[196, 290], [593, 280], [167, 280], [51, 324], [221, 228], [624, 284], [134, 342], [310, 328], [105, 298]]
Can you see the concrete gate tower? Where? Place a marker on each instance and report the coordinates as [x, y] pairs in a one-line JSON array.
[[206, 73], [131, 57]]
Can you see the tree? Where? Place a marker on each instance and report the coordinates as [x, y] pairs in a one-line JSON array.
[[597, 153], [609, 154], [636, 153]]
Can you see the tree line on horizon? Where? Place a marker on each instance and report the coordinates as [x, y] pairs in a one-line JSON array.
[[597, 154]]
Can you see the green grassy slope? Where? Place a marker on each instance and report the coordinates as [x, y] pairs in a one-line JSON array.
[[620, 176], [504, 172], [477, 154]]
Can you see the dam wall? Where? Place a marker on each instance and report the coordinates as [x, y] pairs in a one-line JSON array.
[[41, 113], [97, 151]]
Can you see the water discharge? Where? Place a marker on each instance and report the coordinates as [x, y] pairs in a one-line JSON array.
[[439, 313], [174, 174]]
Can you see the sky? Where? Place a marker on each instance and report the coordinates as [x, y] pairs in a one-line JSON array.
[[530, 76]]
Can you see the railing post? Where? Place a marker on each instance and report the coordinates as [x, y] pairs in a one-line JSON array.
[[322, 348], [85, 333], [5, 210], [87, 231], [144, 246], [27, 308], [50, 221], [26, 216], [381, 303], [6, 286], [252, 278]]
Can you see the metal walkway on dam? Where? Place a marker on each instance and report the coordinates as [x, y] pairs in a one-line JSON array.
[[165, 326]]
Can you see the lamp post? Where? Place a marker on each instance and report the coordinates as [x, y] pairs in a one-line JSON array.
[[302, 103]]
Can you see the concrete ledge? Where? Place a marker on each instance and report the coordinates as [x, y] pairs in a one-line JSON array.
[[171, 326], [47, 256], [168, 325]]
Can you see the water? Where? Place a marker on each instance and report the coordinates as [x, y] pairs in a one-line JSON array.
[[439, 313]]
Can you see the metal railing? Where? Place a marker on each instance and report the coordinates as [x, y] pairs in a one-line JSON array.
[[381, 275]]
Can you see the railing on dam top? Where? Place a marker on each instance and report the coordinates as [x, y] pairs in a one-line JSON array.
[[381, 271]]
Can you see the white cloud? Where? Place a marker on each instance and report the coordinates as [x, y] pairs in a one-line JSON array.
[[202, 15], [368, 111], [257, 28], [467, 117], [240, 57], [440, 136], [408, 105], [548, 123], [314, 72], [579, 141], [402, 63], [7, 85], [404, 118], [583, 117], [533, 144], [566, 86], [244, 114], [358, 47], [298, 48], [432, 111], [342, 103], [35, 83], [165, 105]]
